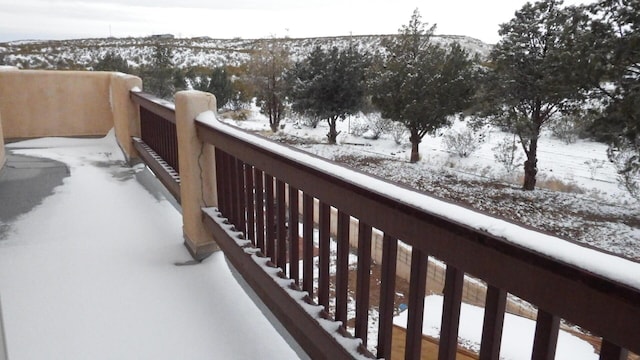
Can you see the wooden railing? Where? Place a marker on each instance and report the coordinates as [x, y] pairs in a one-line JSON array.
[[268, 194], [279, 208], [158, 143]]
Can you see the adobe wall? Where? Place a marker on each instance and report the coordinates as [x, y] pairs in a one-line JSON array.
[[39, 103]]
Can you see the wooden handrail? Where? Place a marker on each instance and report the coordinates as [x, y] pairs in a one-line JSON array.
[[158, 142], [160, 107]]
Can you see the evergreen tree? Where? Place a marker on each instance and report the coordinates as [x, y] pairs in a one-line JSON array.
[[112, 61], [159, 76], [217, 83], [611, 49], [267, 67], [422, 84], [329, 85], [533, 75]]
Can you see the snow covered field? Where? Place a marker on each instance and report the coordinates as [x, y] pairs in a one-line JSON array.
[[92, 273], [578, 197]]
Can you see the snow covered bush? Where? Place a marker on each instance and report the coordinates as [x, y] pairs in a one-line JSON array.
[[506, 154], [626, 160], [397, 131], [358, 127], [377, 125], [463, 142], [594, 165], [565, 130]]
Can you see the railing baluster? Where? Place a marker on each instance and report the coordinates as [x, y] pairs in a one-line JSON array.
[[363, 281], [417, 285], [241, 212], [226, 183], [307, 240], [250, 199], [281, 225], [610, 351], [324, 254], [454, 281], [294, 235], [234, 190], [546, 336], [342, 267], [495, 306], [220, 184], [387, 295], [270, 222], [258, 179]]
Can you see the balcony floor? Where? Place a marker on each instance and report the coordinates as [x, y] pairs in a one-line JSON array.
[[92, 266]]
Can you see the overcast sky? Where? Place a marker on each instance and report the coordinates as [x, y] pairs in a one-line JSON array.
[[66, 19]]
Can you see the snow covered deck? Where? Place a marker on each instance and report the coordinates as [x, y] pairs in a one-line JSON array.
[[98, 270]]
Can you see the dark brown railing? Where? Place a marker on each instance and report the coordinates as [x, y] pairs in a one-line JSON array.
[[267, 191], [158, 142]]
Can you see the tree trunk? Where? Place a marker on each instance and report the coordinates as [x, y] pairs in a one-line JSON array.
[[531, 165], [274, 126], [415, 143], [333, 133]]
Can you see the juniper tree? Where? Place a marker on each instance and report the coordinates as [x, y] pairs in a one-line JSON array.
[[329, 85], [532, 75], [216, 81], [112, 61], [158, 76], [421, 84], [611, 52]]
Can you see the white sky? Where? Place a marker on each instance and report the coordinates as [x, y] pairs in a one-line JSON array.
[[65, 19]]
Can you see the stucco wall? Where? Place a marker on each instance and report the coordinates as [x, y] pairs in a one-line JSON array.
[[36, 103]]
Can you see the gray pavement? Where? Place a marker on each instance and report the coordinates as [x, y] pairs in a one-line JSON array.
[[24, 182]]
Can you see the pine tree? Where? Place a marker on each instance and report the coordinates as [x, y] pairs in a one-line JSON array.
[[421, 84], [329, 85], [533, 75], [159, 77], [217, 82], [112, 61], [611, 47]]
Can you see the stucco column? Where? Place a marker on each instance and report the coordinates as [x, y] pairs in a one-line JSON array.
[[197, 171], [3, 157], [126, 114]]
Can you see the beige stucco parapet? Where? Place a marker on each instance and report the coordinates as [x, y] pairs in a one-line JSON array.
[[197, 171], [36, 103], [126, 114]]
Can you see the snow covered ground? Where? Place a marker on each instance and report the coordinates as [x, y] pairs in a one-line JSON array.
[[92, 273], [578, 197], [517, 337]]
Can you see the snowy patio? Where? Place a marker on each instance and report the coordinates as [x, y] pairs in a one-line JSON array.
[[98, 270]]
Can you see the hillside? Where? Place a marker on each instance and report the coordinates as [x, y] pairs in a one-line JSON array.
[[192, 52]]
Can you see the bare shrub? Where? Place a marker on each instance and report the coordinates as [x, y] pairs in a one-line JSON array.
[[558, 185], [626, 160], [378, 125], [464, 142], [397, 131], [506, 154]]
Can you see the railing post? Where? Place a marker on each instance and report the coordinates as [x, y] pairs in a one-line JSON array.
[[197, 171], [126, 114]]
